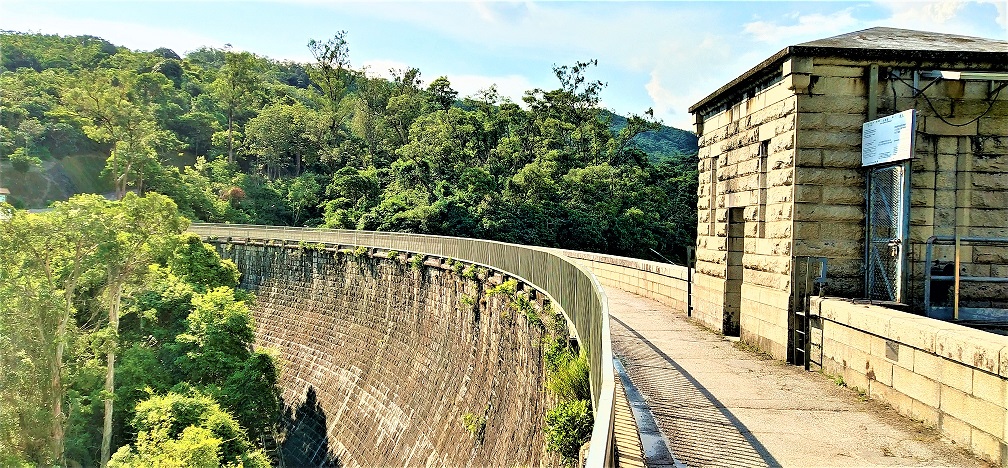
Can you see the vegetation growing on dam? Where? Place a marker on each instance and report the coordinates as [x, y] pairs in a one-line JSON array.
[[569, 423], [124, 339], [232, 136]]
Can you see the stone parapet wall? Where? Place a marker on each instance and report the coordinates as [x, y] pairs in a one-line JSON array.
[[384, 362], [949, 376], [662, 282]]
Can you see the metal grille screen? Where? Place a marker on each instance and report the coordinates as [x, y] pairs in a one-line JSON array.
[[885, 207]]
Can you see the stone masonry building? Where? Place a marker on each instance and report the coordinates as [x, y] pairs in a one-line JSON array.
[[782, 178]]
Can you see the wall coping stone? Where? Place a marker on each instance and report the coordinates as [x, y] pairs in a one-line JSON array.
[[973, 348]]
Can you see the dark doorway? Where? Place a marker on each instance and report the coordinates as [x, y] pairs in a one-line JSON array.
[[735, 273]]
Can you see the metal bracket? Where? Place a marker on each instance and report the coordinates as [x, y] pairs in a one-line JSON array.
[[991, 90], [917, 75]]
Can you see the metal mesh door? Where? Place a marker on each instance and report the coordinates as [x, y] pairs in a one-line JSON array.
[[886, 232]]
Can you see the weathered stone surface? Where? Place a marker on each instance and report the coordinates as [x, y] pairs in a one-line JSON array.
[[843, 195], [997, 127], [830, 176], [387, 361], [991, 163], [838, 87], [935, 126], [827, 213]]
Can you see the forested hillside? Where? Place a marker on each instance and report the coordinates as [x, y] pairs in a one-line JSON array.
[[126, 343], [234, 137]]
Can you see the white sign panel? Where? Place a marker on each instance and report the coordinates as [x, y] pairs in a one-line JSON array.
[[888, 139]]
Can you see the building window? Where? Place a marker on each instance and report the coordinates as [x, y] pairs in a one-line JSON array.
[[764, 150], [713, 195]]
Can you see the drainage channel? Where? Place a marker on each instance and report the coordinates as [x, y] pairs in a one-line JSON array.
[[656, 451]]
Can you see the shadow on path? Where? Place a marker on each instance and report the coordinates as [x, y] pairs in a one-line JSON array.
[[701, 431]]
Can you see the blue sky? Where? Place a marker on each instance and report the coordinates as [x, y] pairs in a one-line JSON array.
[[664, 55]]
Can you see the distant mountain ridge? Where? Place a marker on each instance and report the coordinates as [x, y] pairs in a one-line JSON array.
[[666, 143]]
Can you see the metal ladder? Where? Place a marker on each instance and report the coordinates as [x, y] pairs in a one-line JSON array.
[[808, 276]]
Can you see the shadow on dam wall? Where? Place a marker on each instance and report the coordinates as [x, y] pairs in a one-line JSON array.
[[386, 364]]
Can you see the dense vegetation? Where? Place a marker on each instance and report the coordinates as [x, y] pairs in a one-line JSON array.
[[323, 144], [125, 341]]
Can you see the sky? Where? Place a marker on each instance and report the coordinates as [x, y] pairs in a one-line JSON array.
[[663, 55]]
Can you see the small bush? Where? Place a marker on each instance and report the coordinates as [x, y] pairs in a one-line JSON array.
[[568, 426], [360, 251], [475, 425], [507, 288], [22, 161], [417, 262], [570, 380], [392, 254], [469, 272], [467, 301], [523, 305]]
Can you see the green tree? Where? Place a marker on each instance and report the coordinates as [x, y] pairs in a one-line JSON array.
[[187, 430], [139, 224], [330, 72], [281, 136], [198, 264], [219, 337], [234, 88], [47, 255], [302, 195], [102, 100], [442, 92]]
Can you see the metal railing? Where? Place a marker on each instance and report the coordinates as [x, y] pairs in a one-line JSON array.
[[575, 290], [972, 313]]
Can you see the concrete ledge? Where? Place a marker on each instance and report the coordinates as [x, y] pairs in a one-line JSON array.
[[945, 374]]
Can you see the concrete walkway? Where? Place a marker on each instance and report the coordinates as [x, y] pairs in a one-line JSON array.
[[720, 405]]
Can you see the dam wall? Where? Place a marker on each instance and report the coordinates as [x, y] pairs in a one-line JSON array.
[[386, 360]]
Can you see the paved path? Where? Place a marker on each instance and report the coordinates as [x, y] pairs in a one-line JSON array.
[[719, 405]]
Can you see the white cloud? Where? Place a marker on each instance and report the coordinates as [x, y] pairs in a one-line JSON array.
[[382, 67], [1002, 13], [135, 36], [802, 26], [691, 69], [966, 17], [502, 11], [922, 14], [509, 86]]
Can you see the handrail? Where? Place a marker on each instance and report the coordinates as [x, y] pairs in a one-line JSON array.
[[574, 289], [957, 276]]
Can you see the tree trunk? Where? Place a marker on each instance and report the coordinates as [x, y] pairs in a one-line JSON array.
[[115, 296], [58, 433], [230, 136], [57, 387]]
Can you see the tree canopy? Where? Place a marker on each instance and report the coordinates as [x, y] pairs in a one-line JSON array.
[[127, 343], [107, 302], [235, 137]]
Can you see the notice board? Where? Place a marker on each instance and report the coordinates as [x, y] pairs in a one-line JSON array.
[[888, 139]]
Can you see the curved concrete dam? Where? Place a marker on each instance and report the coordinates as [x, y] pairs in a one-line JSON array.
[[387, 361]]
